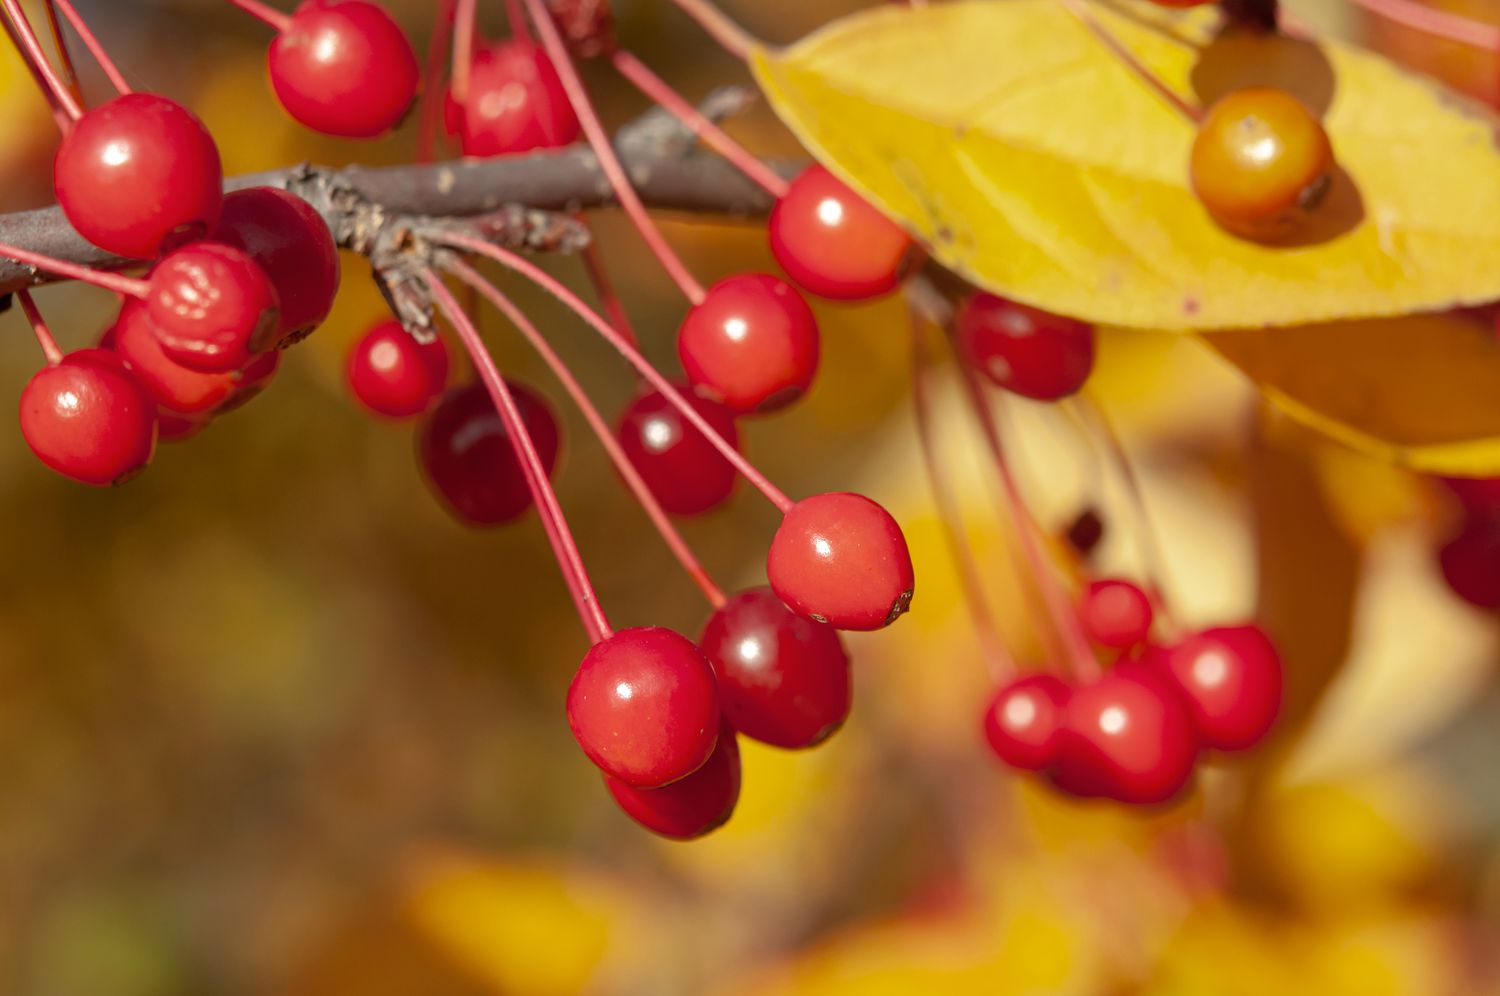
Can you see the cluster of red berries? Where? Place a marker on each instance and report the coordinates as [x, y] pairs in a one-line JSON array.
[[1470, 557]]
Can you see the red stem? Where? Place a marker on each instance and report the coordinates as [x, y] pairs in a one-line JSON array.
[[555, 524], [39, 327], [726, 34], [516, 14], [601, 430], [30, 47], [599, 141], [1439, 23], [604, 288], [716, 138], [643, 366], [64, 123], [431, 110], [1081, 13], [76, 271], [262, 12], [91, 43], [464, 18], [64, 56]]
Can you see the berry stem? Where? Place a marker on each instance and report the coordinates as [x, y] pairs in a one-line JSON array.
[[1439, 23], [554, 523], [726, 34], [1081, 13], [64, 123], [64, 54], [716, 138], [609, 162], [77, 271], [464, 17], [30, 47], [90, 42], [593, 264], [516, 15], [632, 355], [39, 328], [262, 12], [431, 110], [600, 428]]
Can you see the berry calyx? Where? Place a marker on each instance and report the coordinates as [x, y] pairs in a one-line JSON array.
[[137, 173], [689, 807], [783, 678], [175, 387], [515, 103], [841, 559], [1230, 678], [1260, 162], [87, 418], [212, 306], [1024, 721], [345, 68], [466, 452], [393, 374], [678, 463], [254, 377], [1031, 352], [292, 243], [1115, 613], [832, 243], [750, 344], [644, 706], [1127, 736]]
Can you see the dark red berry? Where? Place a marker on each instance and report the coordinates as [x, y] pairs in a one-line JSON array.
[[752, 343], [1230, 678], [467, 454], [292, 243], [831, 242], [689, 807], [783, 679], [173, 427], [212, 306], [1478, 494], [1024, 721], [175, 387], [1128, 736], [515, 103], [1115, 613], [87, 418], [254, 378], [644, 706], [138, 172], [678, 463], [841, 559], [392, 374], [1086, 532], [344, 67], [1032, 352], [1470, 561]]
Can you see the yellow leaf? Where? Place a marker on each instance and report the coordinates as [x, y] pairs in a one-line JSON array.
[[1033, 162], [1421, 391]]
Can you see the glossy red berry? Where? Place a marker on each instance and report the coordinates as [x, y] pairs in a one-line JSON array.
[[783, 678], [254, 377], [174, 387], [644, 706], [515, 103], [292, 243], [1230, 678], [1032, 352], [751, 344], [840, 558], [138, 172], [87, 418], [344, 67], [173, 427], [832, 243], [1115, 613], [467, 455], [1128, 736], [1470, 561], [678, 463], [212, 306], [393, 374], [1024, 721], [689, 807]]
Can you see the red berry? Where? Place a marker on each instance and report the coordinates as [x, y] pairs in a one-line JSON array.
[[515, 103], [175, 387], [255, 377], [1024, 721], [752, 343], [87, 418], [292, 243], [1032, 352], [393, 374], [212, 305], [689, 807], [137, 172], [1115, 613], [644, 706], [841, 559], [1230, 678], [783, 679], [173, 427], [1128, 736], [1477, 494], [833, 243], [344, 67], [678, 463], [467, 454], [1471, 561]]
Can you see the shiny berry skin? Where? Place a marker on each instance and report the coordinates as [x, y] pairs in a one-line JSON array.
[[345, 68], [751, 344], [1128, 736], [212, 306], [87, 418], [832, 243], [1024, 720], [783, 679], [515, 104], [468, 458], [1470, 561], [1030, 352], [689, 807], [1115, 613], [1230, 678], [678, 463], [394, 375], [138, 172], [254, 377], [841, 559], [292, 243], [1260, 162], [174, 386], [173, 427], [644, 706]]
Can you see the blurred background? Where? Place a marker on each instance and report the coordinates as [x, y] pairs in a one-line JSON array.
[[271, 722]]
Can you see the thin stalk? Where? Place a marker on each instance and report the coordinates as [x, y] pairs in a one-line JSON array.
[[604, 288], [76, 271], [1438, 23], [30, 47], [1081, 13], [63, 121], [265, 13], [464, 17], [91, 42], [431, 110], [516, 15], [716, 24], [64, 56], [39, 328]]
